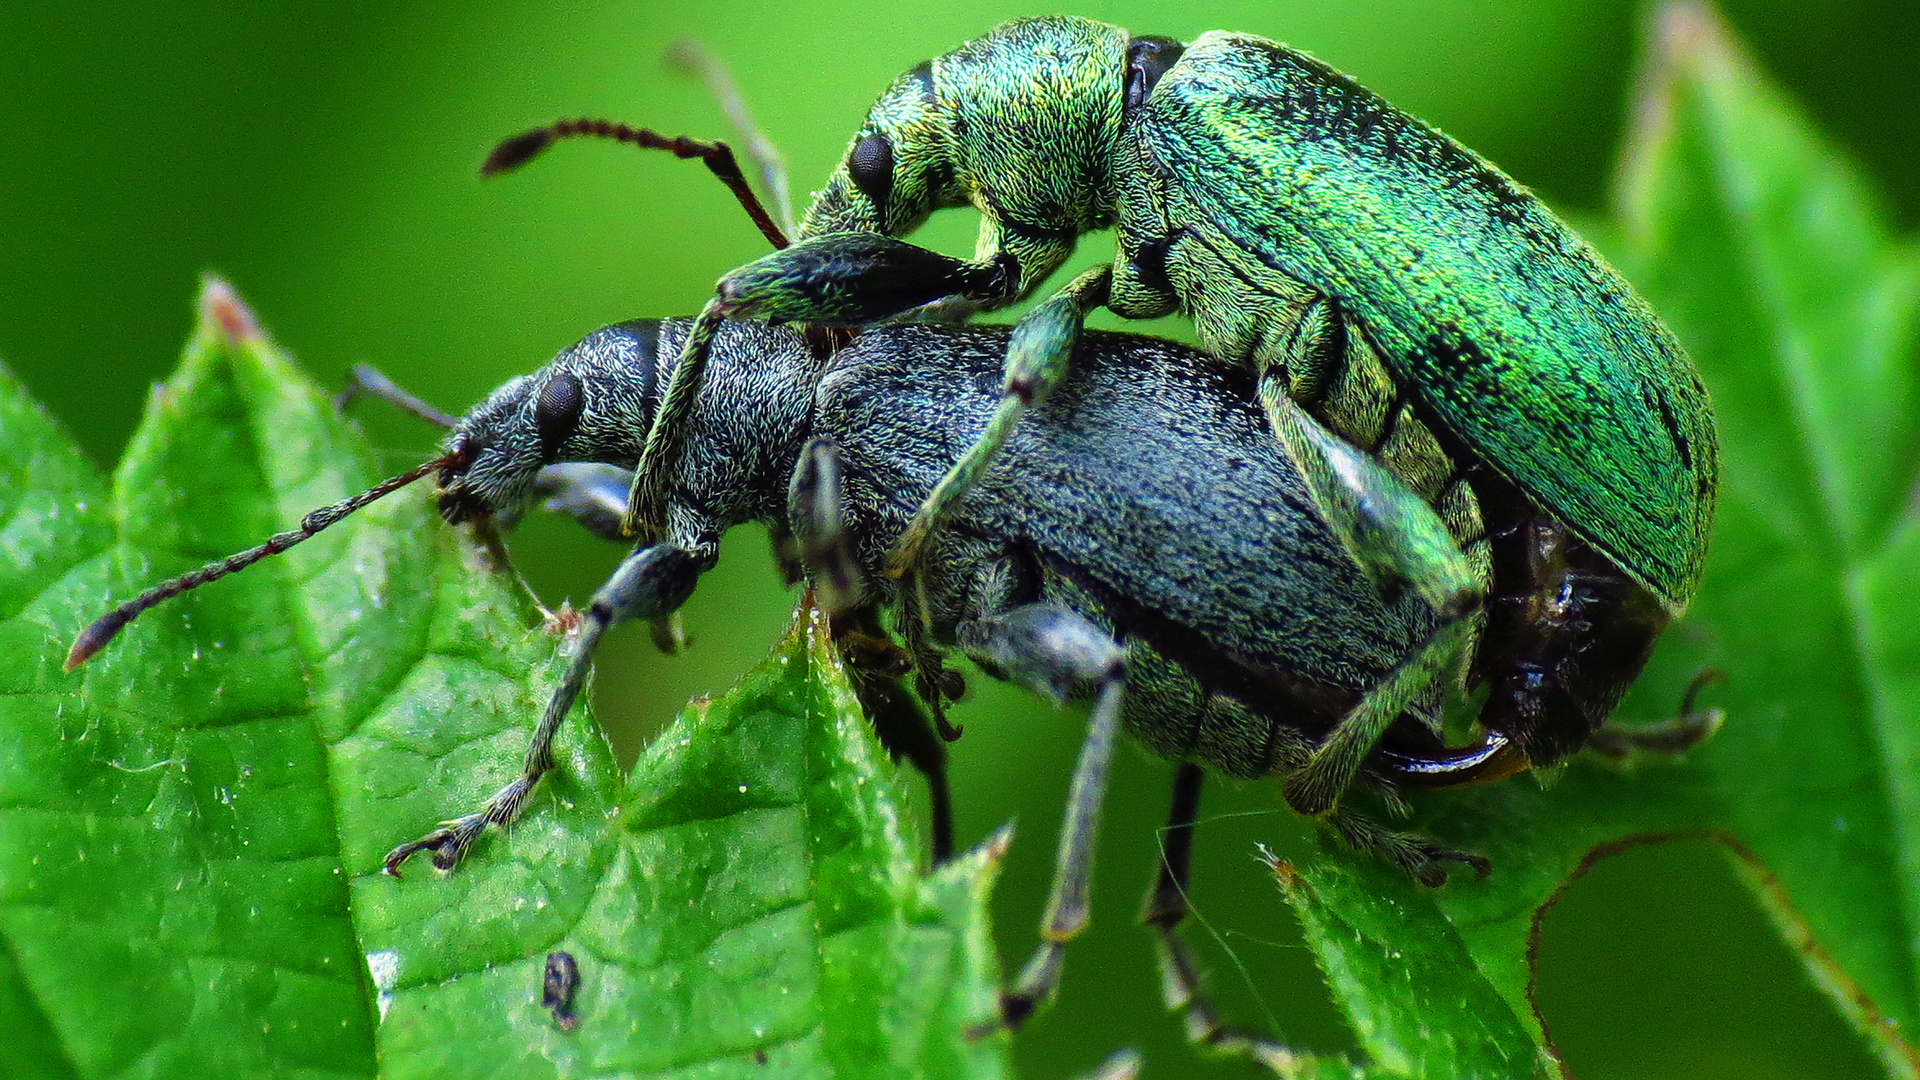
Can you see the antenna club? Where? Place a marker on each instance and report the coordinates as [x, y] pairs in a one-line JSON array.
[[92, 640], [517, 151]]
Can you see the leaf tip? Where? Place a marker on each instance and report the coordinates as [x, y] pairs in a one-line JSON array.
[[995, 847], [223, 312], [1284, 873]]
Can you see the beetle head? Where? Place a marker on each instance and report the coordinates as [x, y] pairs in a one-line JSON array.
[[899, 168], [1023, 123], [593, 403]]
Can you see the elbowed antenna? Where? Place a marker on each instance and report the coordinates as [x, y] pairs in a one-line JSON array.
[[96, 636], [716, 156]]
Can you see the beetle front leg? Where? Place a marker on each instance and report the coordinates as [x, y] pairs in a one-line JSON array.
[[1056, 652], [593, 494], [646, 500], [1039, 355], [651, 584], [856, 278]]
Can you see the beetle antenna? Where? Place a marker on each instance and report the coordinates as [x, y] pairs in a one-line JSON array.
[[716, 156], [96, 636]]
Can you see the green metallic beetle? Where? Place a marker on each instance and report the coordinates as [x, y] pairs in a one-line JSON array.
[[1398, 297]]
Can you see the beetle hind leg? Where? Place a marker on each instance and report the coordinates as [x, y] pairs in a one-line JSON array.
[[1391, 533], [1058, 653], [1166, 907], [1400, 542], [1423, 858]]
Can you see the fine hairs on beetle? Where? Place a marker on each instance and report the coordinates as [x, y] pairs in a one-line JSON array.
[[1176, 573], [1419, 328]]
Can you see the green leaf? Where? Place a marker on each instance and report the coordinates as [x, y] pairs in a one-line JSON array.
[[1762, 247], [193, 824]]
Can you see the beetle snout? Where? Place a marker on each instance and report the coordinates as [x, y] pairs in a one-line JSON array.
[[459, 504], [456, 499]]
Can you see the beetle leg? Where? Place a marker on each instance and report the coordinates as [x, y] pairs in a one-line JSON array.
[[1038, 357], [650, 584], [1166, 907], [906, 729], [1422, 858], [1316, 787], [1056, 652], [787, 560], [594, 495], [646, 499], [1398, 540], [1390, 532], [856, 278], [814, 506], [1672, 736], [877, 666]]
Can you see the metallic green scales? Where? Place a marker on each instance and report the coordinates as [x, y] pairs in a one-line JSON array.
[[1042, 75], [1517, 335]]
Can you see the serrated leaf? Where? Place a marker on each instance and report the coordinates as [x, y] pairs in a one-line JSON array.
[[193, 825], [1761, 246]]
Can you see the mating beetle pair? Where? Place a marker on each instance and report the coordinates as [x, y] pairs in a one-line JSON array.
[[1175, 572], [1422, 357], [1422, 332]]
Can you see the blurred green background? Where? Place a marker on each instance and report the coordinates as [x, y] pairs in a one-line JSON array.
[[323, 158]]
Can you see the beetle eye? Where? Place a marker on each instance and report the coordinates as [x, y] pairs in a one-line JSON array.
[[557, 414], [871, 167]]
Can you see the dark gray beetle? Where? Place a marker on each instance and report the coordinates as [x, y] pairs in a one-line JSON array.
[[1144, 542]]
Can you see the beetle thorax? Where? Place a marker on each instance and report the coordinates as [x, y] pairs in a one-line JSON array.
[[1022, 123], [1036, 115]]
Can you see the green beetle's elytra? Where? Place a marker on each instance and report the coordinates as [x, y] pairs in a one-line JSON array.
[[1416, 322], [1521, 340]]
